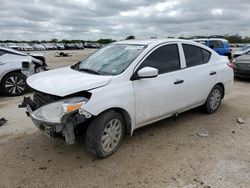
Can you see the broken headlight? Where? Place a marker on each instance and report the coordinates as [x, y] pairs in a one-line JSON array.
[[54, 112]]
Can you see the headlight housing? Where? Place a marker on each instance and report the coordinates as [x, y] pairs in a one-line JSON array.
[[54, 112]]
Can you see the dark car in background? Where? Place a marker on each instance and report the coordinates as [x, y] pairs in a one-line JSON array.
[[242, 65]]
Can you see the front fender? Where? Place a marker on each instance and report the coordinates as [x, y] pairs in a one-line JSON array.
[[9, 71], [119, 96]]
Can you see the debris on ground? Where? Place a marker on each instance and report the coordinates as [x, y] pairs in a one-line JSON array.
[[62, 54], [203, 134], [240, 121], [2, 121], [42, 168]]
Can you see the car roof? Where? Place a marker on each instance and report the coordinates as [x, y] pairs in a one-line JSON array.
[[12, 51], [150, 41]]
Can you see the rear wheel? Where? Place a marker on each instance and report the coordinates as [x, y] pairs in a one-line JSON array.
[[105, 133], [213, 100], [13, 84]]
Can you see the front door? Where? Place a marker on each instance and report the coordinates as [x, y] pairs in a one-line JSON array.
[[163, 95]]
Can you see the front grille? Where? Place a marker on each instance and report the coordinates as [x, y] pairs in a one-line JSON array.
[[41, 99], [243, 66]]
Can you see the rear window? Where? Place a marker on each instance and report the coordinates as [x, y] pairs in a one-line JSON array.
[[195, 55]]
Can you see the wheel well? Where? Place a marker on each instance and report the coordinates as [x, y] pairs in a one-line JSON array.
[[126, 117], [13, 71], [223, 88]]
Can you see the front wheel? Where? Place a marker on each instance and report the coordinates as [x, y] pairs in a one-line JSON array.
[[213, 100], [13, 84], [105, 133]]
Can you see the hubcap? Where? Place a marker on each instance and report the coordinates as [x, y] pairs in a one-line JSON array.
[[215, 99], [15, 85], [111, 135]]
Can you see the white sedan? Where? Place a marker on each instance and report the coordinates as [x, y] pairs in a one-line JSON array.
[[127, 85]]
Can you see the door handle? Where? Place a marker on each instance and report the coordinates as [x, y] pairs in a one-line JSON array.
[[178, 81], [212, 73]]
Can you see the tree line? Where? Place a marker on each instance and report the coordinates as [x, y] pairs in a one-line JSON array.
[[231, 38]]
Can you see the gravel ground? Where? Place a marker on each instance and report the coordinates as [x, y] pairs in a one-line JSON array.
[[165, 154]]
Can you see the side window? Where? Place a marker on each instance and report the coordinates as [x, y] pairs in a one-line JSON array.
[[165, 59], [195, 55], [216, 43], [206, 55]]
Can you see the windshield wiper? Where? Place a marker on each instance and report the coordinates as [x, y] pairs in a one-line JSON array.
[[89, 71]]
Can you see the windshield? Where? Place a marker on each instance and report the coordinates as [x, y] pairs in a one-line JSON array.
[[245, 48], [110, 60]]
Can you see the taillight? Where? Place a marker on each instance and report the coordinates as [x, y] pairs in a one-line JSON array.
[[231, 65]]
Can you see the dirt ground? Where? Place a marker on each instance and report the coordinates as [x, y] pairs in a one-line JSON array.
[[165, 154]]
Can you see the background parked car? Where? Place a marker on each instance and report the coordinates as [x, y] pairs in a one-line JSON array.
[[221, 46], [70, 46], [60, 46], [49, 46], [92, 45], [13, 46], [25, 47], [79, 46], [39, 47], [242, 51], [15, 67], [242, 65]]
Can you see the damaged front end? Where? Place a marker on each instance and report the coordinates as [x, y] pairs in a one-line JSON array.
[[56, 116]]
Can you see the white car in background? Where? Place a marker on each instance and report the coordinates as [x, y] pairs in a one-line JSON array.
[[241, 51], [39, 47], [15, 67], [127, 85]]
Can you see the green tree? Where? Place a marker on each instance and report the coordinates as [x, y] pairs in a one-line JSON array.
[[54, 40]]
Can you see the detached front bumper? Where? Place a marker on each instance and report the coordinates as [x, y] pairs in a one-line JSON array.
[[65, 128]]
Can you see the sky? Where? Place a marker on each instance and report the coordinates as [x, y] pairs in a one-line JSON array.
[[117, 19]]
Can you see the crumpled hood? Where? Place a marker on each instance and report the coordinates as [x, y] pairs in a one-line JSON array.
[[65, 81]]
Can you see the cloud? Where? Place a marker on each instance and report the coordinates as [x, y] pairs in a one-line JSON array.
[[93, 19]]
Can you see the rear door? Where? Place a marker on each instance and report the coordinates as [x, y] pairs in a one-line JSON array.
[[163, 95], [200, 74]]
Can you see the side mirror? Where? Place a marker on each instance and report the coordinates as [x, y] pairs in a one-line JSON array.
[[146, 72]]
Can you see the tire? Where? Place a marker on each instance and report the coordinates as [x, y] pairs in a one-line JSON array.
[[213, 100], [14, 84], [99, 139]]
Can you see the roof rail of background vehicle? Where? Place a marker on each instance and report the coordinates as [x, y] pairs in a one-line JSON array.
[[149, 41], [205, 39]]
